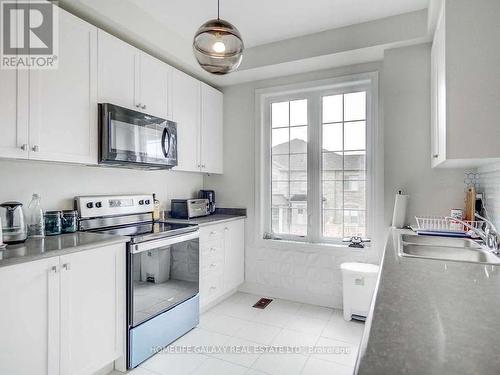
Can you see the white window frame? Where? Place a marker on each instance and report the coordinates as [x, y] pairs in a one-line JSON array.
[[263, 97]]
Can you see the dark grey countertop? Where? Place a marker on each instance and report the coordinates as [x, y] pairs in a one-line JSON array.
[[51, 246], [207, 220], [432, 317]]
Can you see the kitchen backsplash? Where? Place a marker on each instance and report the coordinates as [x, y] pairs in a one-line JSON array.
[[489, 184], [59, 183]]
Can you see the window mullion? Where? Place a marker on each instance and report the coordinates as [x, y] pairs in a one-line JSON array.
[[314, 169]]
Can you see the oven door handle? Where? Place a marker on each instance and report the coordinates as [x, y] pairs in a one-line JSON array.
[[155, 244]]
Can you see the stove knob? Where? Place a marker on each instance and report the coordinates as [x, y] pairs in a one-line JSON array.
[[90, 205], [141, 202], [147, 201], [98, 204]]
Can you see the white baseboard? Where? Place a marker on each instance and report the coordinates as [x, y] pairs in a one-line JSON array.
[[302, 297], [209, 305]]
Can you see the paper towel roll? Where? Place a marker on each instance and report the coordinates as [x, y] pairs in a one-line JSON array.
[[399, 215]]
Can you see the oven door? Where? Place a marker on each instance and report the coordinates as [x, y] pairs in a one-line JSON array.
[[131, 138], [161, 274]]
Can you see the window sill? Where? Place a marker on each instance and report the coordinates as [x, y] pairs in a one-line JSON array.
[[311, 246]]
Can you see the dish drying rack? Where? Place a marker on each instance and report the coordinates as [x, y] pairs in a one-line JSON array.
[[442, 224]]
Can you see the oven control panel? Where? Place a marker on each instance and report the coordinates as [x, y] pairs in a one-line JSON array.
[[109, 205]]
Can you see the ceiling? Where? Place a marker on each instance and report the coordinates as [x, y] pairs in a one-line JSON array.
[[265, 21]]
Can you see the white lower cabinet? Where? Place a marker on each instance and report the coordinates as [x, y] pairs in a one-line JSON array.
[[63, 315], [222, 257], [29, 339]]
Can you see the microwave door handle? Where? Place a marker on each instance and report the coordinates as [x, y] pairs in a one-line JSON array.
[[149, 245], [165, 142]]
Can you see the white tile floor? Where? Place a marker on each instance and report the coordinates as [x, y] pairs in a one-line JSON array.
[[235, 323]]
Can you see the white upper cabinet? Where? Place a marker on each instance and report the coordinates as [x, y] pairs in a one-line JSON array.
[[118, 62], [197, 110], [465, 84], [211, 129], [153, 81], [63, 101], [13, 125], [131, 78], [186, 113]]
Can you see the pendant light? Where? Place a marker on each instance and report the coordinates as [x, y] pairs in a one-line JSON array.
[[218, 47]]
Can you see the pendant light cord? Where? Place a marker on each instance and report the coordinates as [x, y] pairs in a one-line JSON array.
[[218, 7]]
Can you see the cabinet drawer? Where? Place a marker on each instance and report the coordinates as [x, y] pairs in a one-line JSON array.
[[211, 287], [212, 247], [211, 232], [211, 266]]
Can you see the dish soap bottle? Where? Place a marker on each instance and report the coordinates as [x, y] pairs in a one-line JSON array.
[[156, 208], [36, 223]]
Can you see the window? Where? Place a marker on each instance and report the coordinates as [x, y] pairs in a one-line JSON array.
[[316, 152], [343, 164], [289, 166]]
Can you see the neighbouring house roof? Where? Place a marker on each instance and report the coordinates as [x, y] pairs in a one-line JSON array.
[[332, 161]]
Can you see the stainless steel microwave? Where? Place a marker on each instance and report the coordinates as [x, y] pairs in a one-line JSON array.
[[135, 140]]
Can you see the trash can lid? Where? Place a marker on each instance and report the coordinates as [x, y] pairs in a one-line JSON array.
[[360, 267]]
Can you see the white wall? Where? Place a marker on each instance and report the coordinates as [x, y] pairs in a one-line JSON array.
[[309, 276], [59, 183], [489, 184], [406, 94], [314, 276]]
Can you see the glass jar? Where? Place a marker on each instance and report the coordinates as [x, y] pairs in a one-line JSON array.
[[69, 221], [53, 223]]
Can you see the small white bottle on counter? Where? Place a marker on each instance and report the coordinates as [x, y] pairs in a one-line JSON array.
[[36, 223]]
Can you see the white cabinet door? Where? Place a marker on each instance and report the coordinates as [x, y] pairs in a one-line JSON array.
[[438, 95], [63, 101], [13, 112], [29, 318], [13, 125], [118, 69], [154, 86], [234, 250], [92, 298], [186, 113], [211, 129]]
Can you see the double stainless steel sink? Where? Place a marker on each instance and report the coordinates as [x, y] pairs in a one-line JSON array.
[[445, 248]]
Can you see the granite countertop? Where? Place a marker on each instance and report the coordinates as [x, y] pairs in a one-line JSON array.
[[221, 215], [432, 317], [207, 220], [51, 246]]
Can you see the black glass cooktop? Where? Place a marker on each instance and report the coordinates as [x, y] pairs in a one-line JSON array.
[[147, 231]]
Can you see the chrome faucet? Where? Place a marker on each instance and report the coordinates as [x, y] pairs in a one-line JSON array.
[[489, 235]]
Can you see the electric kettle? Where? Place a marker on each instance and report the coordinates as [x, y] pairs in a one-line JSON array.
[[13, 224]]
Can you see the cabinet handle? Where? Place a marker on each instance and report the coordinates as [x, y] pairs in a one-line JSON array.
[[435, 156], [226, 229], [143, 106], [35, 148], [67, 266], [203, 165], [213, 265], [213, 249], [138, 105], [213, 233], [54, 269], [24, 147], [213, 287]]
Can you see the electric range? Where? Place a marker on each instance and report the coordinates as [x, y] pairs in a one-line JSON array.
[[162, 270]]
